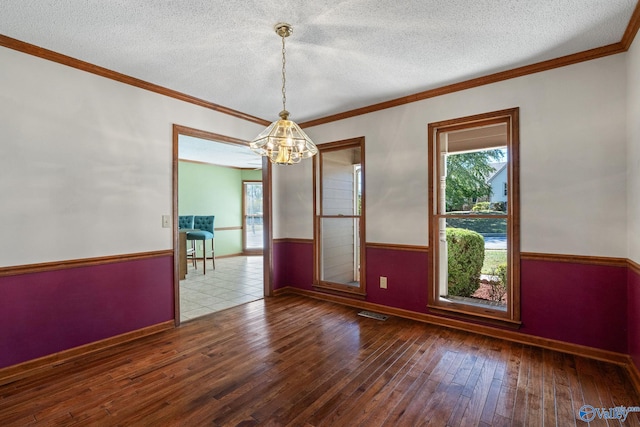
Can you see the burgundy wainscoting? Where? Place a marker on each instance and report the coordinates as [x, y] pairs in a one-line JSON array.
[[406, 273], [633, 312], [48, 312], [577, 303], [292, 264]]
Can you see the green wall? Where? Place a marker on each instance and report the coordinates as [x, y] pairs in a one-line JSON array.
[[252, 175], [215, 190]]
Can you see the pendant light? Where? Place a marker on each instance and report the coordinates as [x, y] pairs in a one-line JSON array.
[[283, 141]]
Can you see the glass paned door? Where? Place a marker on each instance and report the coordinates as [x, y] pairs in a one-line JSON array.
[[252, 216]]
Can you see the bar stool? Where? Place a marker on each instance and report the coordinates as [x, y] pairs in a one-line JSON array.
[[185, 222], [203, 231]]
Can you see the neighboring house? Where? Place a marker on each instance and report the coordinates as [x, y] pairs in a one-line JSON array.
[[498, 181]]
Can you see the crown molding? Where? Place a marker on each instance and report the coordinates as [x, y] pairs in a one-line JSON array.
[[612, 49], [563, 61], [69, 61], [632, 28], [622, 46]]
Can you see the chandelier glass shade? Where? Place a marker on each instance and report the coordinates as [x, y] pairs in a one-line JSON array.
[[283, 142]]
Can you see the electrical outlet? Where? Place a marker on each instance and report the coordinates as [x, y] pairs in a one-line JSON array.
[[166, 221], [383, 282]]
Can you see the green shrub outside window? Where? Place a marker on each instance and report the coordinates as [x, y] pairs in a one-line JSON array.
[[465, 253]]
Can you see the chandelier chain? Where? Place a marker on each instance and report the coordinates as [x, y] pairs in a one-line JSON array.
[[283, 142], [284, 78]]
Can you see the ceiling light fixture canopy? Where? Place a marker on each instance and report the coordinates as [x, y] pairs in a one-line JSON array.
[[283, 141]]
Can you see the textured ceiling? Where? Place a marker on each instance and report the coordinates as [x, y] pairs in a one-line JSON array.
[[217, 153], [342, 55]]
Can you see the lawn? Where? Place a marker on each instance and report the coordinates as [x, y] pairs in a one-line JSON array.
[[480, 225], [492, 259]]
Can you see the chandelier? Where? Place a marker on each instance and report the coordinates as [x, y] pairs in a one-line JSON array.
[[283, 141]]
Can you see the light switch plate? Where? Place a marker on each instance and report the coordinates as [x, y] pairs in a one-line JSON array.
[[166, 221]]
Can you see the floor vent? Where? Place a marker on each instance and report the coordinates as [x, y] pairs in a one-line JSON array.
[[373, 315]]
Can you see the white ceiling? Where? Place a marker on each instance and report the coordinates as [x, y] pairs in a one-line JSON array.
[[217, 153], [342, 55]]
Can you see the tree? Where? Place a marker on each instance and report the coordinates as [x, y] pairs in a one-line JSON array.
[[467, 176]]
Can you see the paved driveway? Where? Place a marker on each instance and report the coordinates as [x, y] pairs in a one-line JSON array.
[[495, 242]]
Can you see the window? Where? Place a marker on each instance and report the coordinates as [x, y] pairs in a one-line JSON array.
[[339, 217], [474, 221]]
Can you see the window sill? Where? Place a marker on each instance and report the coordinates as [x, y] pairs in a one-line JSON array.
[[489, 317], [340, 290]]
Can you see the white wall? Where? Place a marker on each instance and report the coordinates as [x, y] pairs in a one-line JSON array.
[[85, 162], [573, 144], [633, 151], [293, 200]]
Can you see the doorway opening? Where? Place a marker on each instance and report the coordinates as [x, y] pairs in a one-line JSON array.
[[210, 172]]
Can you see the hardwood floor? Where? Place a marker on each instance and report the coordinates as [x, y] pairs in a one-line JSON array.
[[295, 361]]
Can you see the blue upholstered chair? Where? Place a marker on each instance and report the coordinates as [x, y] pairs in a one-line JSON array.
[[204, 227], [185, 221]]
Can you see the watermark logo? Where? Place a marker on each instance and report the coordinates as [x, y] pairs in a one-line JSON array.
[[588, 413]]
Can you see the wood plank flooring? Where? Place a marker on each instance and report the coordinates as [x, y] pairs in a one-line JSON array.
[[296, 361]]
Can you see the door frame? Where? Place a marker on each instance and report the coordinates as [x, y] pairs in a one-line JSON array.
[[245, 250], [266, 210]]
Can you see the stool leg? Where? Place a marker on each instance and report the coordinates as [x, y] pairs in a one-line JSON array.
[[204, 257], [213, 254]]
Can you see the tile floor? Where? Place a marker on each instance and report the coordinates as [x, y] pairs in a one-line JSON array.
[[235, 281]]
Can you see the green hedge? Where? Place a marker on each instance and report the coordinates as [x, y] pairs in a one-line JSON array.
[[465, 254], [481, 206]]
